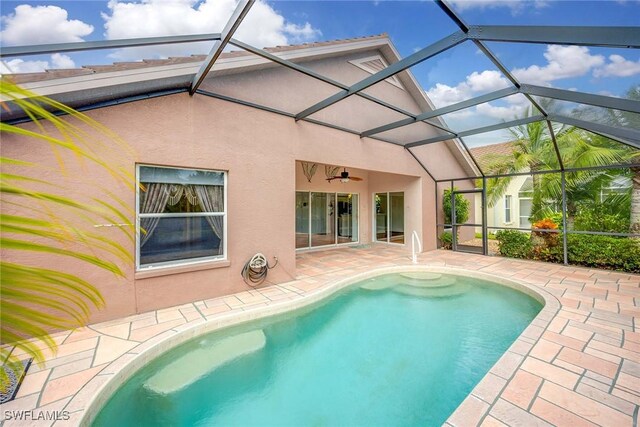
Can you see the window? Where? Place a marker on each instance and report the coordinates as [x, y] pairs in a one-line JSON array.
[[181, 216], [507, 209], [617, 186], [525, 201]]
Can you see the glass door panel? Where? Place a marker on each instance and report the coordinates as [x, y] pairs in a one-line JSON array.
[[302, 219], [347, 218], [382, 211], [323, 222], [396, 222]]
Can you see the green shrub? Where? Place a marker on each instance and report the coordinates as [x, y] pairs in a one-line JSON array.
[[446, 240], [614, 253], [514, 244], [594, 218], [462, 207]]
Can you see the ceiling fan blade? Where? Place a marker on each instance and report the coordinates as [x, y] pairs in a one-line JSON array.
[[355, 178]]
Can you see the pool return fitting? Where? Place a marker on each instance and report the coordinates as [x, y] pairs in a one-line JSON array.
[[256, 269]]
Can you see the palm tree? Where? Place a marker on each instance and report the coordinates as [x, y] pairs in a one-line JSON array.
[[38, 217], [622, 119], [533, 150]]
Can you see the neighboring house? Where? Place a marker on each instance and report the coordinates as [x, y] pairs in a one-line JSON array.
[[221, 179], [513, 208]]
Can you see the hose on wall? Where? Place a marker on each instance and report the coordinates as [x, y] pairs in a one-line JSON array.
[[255, 271]]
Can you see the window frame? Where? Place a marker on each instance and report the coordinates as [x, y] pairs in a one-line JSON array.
[[335, 194], [374, 224], [508, 208], [184, 262]]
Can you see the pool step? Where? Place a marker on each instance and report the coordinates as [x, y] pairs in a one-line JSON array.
[[421, 275], [441, 283], [377, 284], [197, 363], [433, 292]]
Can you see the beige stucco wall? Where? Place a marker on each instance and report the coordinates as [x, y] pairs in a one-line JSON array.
[[496, 213], [259, 150]]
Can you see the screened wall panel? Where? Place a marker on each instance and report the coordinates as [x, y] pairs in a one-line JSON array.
[[600, 200], [401, 92], [357, 113], [595, 70], [510, 108], [514, 149], [431, 156], [269, 85], [458, 74], [413, 132]]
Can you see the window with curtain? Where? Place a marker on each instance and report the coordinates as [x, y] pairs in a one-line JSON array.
[[181, 216]]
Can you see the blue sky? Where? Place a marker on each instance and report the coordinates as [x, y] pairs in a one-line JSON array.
[[458, 74]]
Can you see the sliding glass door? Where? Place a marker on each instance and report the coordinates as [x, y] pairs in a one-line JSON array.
[[389, 217], [324, 219], [302, 220], [347, 216], [323, 224]]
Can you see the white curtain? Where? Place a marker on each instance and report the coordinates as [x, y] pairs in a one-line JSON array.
[[156, 198], [211, 199]]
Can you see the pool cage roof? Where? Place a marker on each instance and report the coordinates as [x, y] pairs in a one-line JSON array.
[[439, 132]]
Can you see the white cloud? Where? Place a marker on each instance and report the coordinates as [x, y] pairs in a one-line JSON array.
[[21, 66], [618, 67], [516, 6], [508, 112], [562, 62], [61, 61], [474, 84], [40, 25], [262, 27]]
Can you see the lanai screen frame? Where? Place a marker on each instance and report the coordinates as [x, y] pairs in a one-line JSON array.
[[616, 37]]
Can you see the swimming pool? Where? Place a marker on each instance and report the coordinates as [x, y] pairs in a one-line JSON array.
[[397, 349]]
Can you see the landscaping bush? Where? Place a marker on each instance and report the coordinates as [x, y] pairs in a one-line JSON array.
[[546, 246], [462, 207], [596, 218], [613, 253], [514, 244]]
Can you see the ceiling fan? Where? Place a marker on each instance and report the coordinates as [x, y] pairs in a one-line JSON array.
[[344, 177]]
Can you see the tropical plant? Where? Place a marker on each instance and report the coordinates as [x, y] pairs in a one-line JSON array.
[[462, 207], [41, 225], [533, 150]]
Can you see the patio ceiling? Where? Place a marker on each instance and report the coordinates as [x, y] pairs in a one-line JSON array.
[[478, 35]]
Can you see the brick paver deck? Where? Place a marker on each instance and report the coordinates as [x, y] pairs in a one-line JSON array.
[[578, 363]]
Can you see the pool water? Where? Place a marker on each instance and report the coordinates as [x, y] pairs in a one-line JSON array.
[[392, 350]]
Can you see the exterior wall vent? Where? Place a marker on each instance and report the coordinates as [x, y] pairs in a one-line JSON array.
[[374, 64]]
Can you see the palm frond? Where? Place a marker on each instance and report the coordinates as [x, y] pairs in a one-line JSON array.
[[40, 217]]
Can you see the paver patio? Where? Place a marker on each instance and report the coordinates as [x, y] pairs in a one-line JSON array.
[[578, 363]]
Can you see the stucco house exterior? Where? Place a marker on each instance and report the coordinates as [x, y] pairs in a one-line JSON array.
[[514, 207], [219, 180]]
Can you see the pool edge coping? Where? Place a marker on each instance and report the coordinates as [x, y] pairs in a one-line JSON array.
[[102, 386]]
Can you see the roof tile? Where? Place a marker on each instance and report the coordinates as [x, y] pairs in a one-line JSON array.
[[120, 66]]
